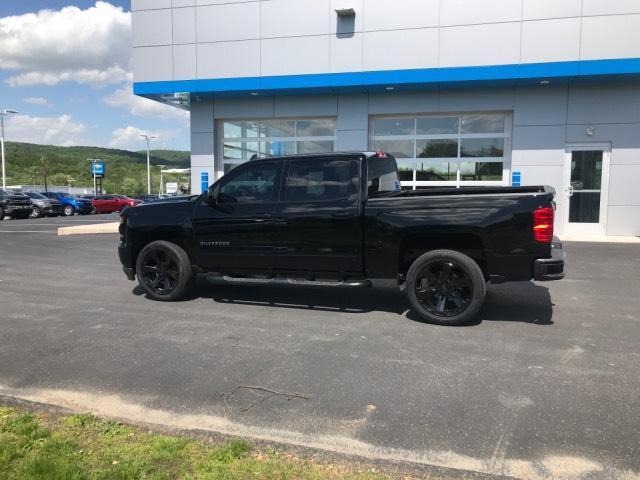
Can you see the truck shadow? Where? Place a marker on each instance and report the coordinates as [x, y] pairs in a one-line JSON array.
[[524, 302]]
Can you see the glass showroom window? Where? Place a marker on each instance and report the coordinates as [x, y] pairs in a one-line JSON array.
[[446, 149], [241, 139]]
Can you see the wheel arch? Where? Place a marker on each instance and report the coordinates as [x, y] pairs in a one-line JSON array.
[[140, 241], [415, 245]]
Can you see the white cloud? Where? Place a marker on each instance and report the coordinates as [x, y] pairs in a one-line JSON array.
[[91, 46], [37, 101], [143, 107], [128, 138], [62, 130]]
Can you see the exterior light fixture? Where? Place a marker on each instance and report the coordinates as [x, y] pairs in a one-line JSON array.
[[4, 113], [148, 138], [590, 131], [345, 12]]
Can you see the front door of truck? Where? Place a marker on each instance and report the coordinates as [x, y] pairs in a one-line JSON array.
[[319, 226], [235, 232]]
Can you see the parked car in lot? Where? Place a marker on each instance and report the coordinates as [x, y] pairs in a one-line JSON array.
[[44, 206], [146, 198], [341, 220], [71, 204], [113, 203], [14, 205]]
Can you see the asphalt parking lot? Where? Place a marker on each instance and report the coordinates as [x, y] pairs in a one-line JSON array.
[[545, 385]]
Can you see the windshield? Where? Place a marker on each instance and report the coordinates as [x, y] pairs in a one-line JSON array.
[[382, 176], [35, 195]]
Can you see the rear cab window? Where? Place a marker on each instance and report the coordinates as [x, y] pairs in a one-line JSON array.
[[382, 176], [321, 180]]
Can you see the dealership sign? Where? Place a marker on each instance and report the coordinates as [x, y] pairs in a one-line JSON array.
[[97, 169]]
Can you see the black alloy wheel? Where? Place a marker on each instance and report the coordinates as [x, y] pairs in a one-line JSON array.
[[160, 271], [164, 271], [445, 287]]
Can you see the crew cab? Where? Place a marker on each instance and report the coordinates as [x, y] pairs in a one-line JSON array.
[[340, 220]]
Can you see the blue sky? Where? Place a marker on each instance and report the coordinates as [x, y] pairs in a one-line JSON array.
[[65, 65]]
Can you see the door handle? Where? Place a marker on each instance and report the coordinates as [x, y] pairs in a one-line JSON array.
[[569, 191], [341, 215], [262, 215]]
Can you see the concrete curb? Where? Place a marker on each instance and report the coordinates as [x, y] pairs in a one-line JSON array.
[[600, 238], [89, 229]]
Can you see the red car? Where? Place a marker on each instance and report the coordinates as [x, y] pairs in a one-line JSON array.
[[112, 203]]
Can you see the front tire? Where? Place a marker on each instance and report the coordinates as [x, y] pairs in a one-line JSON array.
[[445, 287], [2, 214], [68, 211], [36, 212], [164, 271]]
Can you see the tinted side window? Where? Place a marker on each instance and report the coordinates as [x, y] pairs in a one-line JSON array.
[[250, 185], [321, 180]]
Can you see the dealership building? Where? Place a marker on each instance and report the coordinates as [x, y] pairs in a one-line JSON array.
[[461, 92]]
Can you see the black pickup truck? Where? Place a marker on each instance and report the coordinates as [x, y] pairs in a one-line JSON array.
[[14, 205], [340, 220]]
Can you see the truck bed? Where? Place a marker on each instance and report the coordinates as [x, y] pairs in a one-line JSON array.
[[439, 191]]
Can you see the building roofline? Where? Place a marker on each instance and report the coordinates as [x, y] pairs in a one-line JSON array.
[[380, 81]]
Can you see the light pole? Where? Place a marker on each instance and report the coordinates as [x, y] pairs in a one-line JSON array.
[[148, 138], [93, 173], [161, 167], [3, 114]]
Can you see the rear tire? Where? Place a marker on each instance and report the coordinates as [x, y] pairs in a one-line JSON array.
[[68, 211], [164, 271], [445, 287], [2, 214]]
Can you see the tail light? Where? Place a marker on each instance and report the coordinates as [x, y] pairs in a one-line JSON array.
[[543, 225]]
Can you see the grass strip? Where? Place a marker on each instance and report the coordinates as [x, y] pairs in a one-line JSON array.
[[77, 447]]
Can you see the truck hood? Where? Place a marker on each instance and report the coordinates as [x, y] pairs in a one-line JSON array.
[[177, 205]]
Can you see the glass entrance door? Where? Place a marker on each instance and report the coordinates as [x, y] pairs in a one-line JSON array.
[[586, 181]]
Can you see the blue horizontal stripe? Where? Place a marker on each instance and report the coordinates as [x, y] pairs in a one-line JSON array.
[[400, 79]]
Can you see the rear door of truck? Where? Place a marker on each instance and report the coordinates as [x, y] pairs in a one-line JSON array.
[[318, 218]]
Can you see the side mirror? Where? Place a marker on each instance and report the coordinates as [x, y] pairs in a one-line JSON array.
[[210, 197]]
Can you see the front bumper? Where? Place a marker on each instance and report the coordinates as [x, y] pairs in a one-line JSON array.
[[126, 259], [547, 269], [10, 209], [50, 209], [84, 209]]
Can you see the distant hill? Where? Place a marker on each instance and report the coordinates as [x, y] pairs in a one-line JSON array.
[[172, 158], [126, 171]]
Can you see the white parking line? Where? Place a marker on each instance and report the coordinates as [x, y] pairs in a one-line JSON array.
[[40, 225], [28, 231]]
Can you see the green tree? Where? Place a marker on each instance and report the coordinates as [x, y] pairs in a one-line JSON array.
[[44, 168], [131, 187]]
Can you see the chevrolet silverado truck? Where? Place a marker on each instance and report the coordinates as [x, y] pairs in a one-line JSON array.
[[341, 220], [14, 205]]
